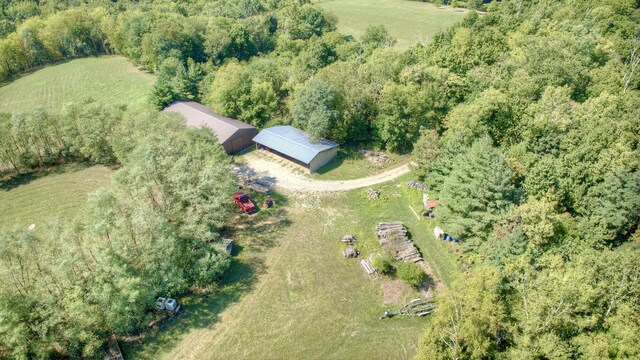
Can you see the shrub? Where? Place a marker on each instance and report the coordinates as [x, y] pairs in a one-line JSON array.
[[411, 273], [383, 263]]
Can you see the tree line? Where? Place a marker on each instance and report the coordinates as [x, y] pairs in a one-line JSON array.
[[469, 4], [265, 63], [537, 173], [155, 232]]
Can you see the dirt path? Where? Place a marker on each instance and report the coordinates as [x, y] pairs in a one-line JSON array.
[[276, 174]]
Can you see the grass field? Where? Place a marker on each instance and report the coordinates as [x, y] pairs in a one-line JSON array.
[[290, 294], [110, 80], [54, 194], [409, 21], [350, 164]]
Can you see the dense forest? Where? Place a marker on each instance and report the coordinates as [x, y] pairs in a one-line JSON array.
[[537, 170], [525, 120]]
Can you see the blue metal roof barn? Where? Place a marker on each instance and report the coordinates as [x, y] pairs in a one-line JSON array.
[[294, 145]]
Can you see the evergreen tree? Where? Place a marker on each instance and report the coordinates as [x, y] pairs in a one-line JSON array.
[[477, 192]]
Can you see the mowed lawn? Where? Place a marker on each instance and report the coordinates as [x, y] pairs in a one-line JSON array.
[[56, 194], [109, 80], [409, 21], [290, 293], [351, 164]]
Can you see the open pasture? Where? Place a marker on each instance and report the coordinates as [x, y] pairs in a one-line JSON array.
[[108, 79], [291, 294], [409, 21], [54, 194]]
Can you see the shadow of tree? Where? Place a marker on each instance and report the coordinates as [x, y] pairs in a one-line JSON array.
[[253, 235], [26, 178], [199, 311]]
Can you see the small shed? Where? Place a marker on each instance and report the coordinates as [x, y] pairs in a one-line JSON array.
[[294, 145], [233, 135]]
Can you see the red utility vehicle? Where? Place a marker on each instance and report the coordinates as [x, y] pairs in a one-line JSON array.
[[243, 201]]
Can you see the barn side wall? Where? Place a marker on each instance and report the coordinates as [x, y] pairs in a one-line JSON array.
[[243, 140], [322, 159]]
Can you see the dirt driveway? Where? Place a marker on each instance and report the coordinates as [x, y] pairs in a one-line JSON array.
[[271, 172]]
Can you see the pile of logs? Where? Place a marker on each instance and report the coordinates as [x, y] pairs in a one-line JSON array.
[[350, 252], [417, 185], [393, 237], [348, 239], [375, 157], [373, 194], [268, 202]]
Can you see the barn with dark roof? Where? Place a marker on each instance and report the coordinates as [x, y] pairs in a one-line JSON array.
[[294, 145], [234, 135]]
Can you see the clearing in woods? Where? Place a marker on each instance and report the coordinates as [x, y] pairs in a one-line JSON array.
[[409, 21], [107, 79], [54, 194], [291, 294]]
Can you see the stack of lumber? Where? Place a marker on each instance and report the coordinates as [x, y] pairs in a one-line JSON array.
[[393, 238], [368, 268]]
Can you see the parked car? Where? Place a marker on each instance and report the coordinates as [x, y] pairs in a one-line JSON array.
[[243, 201]]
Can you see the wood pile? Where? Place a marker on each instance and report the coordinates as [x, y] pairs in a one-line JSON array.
[[157, 320], [348, 239], [368, 268], [417, 307], [350, 252], [259, 187], [375, 157], [417, 185], [268, 203], [393, 237], [373, 194]]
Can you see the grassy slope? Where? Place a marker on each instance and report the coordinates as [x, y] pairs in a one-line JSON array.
[[55, 194], [111, 80], [290, 294], [349, 164], [408, 21]]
